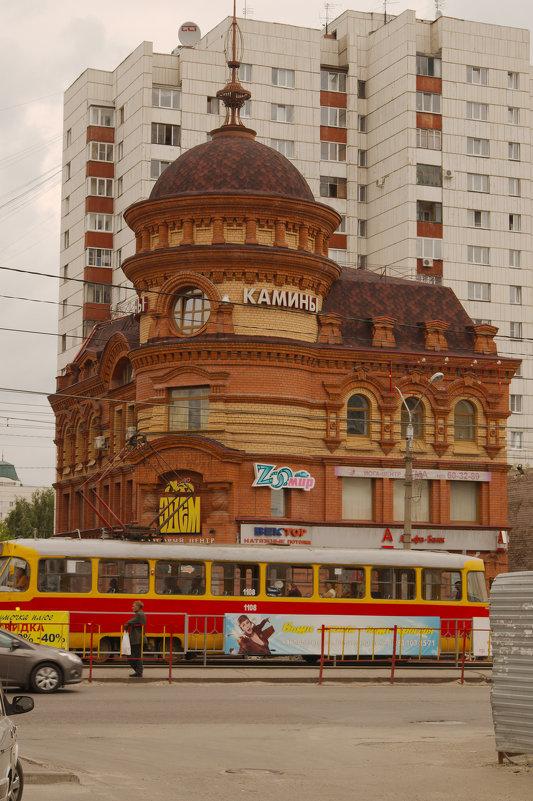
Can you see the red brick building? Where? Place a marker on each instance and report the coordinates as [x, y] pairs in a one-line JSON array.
[[266, 376]]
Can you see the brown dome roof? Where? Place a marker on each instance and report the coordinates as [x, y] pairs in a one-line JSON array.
[[233, 162]]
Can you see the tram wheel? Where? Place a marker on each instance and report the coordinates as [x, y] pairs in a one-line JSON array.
[[105, 652]]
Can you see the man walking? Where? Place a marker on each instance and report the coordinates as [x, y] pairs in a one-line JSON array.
[[135, 628]]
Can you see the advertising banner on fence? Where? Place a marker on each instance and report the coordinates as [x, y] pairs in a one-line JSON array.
[[43, 628], [257, 635]]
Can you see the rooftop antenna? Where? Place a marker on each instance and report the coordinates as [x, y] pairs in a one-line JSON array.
[[233, 95], [438, 8], [327, 8], [247, 11], [385, 4]]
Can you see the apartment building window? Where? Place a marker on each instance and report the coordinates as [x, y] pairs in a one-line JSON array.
[[512, 80], [477, 183], [97, 293], [478, 75], [120, 151], [515, 403], [104, 117], [362, 123], [428, 65], [427, 248], [477, 147], [515, 330], [279, 112], [477, 219], [332, 151], [477, 290], [121, 115], [283, 146], [100, 151], [245, 72], [165, 134], [341, 228], [212, 105], [67, 171], [332, 186], [118, 222], [428, 102], [333, 117], [512, 115], [68, 138], [429, 139], [339, 255], [66, 239], [428, 175], [361, 90], [163, 97], [428, 211], [189, 408], [361, 261], [282, 77], [513, 151], [480, 321], [515, 440], [98, 257], [514, 187], [101, 187], [477, 111], [361, 158], [66, 205], [361, 193], [515, 295], [477, 255], [118, 257], [63, 308], [64, 273], [518, 372], [246, 110], [514, 258], [361, 228], [514, 222], [331, 81], [99, 222], [63, 343], [120, 186], [157, 167]]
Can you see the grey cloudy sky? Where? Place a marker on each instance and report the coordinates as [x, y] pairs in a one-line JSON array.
[[44, 46]]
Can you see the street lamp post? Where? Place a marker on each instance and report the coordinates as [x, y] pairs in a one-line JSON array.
[[408, 482]]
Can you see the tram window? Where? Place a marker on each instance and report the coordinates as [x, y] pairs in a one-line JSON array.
[[441, 585], [346, 582], [393, 582], [64, 575], [476, 588], [124, 576], [229, 578], [296, 580], [179, 578], [17, 575], [4, 574]]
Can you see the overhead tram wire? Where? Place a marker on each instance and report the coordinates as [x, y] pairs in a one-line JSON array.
[[234, 303]]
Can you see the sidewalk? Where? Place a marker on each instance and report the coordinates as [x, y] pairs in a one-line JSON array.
[[363, 674]]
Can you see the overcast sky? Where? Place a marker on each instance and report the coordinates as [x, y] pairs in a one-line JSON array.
[[44, 46]]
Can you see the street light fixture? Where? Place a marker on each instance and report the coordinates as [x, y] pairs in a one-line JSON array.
[[409, 436]]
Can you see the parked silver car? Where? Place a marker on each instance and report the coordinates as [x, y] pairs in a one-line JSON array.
[[11, 775], [40, 668]]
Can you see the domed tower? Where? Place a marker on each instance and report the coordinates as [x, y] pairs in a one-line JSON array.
[[231, 267]]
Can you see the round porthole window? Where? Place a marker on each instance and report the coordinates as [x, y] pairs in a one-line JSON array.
[[192, 310]]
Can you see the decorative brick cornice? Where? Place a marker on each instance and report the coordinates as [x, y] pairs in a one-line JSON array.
[[484, 338], [383, 332], [435, 334]]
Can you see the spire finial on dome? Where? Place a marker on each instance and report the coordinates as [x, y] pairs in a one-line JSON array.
[[233, 95]]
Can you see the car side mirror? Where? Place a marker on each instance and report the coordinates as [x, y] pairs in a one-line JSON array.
[[14, 645], [19, 704]]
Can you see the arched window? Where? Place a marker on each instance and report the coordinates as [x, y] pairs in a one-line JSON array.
[[192, 309], [357, 415], [463, 420], [417, 416]]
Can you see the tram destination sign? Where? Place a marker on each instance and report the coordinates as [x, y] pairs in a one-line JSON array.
[[431, 475]]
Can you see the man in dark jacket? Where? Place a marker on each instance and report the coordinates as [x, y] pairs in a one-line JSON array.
[[135, 628]]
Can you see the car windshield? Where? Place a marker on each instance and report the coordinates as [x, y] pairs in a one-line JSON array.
[[4, 572]]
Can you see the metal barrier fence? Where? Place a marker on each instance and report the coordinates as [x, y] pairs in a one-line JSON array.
[[343, 644]]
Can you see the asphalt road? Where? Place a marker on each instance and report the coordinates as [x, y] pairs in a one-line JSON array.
[[219, 742]]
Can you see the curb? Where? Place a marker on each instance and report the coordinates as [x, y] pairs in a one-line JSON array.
[[40, 773], [472, 680]]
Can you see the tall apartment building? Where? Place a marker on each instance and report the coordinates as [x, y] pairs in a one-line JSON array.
[[417, 132]]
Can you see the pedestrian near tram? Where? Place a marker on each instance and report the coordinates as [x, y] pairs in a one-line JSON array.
[[135, 628]]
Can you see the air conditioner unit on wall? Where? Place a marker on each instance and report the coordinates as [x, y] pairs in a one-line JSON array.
[[448, 173], [427, 262], [100, 443]]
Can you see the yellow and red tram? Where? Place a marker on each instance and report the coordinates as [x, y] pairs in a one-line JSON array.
[[292, 588]]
